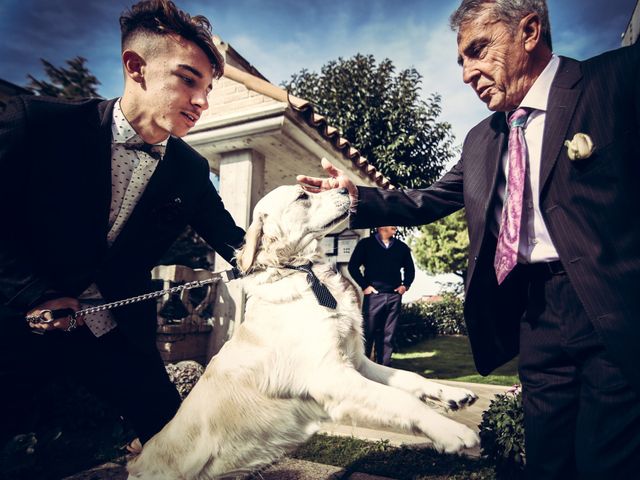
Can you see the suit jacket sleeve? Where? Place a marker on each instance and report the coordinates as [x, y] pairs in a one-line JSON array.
[[21, 284], [215, 224], [405, 207], [355, 262]]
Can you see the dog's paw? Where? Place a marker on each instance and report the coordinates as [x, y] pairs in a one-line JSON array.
[[457, 398], [454, 438], [453, 398]]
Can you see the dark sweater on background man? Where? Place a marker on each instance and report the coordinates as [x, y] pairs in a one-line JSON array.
[[381, 265]]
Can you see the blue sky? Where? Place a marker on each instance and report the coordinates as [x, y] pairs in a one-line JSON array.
[[281, 37]]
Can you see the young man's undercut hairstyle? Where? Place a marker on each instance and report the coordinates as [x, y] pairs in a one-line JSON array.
[[162, 17]]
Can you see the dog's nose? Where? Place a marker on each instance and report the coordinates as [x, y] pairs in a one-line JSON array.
[[343, 191]]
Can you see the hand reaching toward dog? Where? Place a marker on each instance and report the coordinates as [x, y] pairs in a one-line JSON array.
[[337, 179]]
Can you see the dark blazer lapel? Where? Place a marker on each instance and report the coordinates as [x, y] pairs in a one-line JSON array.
[[162, 176], [563, 99], [482, 174], [103, 151], [156, 193], [481, 177], [90, 171], [494, 152]]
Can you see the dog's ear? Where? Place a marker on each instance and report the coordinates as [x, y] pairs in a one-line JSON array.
[[246, 255]]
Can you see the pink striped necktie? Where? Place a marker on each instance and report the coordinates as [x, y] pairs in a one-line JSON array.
[[509, 236]]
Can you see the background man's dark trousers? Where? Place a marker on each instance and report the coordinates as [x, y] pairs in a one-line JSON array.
[[380, 312]]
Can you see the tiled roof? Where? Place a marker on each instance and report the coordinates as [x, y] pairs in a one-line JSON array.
[[9, 88], [304, 110]]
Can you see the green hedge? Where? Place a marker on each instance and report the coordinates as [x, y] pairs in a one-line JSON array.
[[421, 320], [502, 435]]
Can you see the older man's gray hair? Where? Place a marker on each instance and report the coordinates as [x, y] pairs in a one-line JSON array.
[[508, 11]]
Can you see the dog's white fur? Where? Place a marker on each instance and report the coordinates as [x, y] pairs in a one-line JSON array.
[[292, 363]]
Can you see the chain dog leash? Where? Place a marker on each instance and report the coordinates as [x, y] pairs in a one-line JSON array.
[[49, 316]]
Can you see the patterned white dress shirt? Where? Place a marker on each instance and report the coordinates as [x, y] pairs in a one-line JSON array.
[[131, 171], [535, 240]]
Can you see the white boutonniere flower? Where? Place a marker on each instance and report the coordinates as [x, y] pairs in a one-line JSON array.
[[579, 147]]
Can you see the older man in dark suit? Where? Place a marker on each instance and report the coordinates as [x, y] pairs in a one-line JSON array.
[[549, 186], [92, 193]]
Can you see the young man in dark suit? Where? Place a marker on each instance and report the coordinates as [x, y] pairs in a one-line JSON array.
[[549, 187], [388, 274], [92, 193]]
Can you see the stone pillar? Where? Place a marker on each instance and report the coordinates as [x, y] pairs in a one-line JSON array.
[[241, 186]]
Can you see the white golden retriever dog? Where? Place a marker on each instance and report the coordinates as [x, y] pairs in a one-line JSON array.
[[292, 363]]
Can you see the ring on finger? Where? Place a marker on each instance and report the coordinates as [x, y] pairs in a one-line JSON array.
[[44, 317]]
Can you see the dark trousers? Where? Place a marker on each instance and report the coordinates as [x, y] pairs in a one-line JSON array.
[[380, 312], [582, 417], [134, 382]]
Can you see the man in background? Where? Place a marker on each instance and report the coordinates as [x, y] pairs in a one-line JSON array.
[[383, 257]]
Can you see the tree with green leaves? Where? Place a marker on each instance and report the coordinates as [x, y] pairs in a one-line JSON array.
[[383, 114], [189, 249], [73, 81], [442, 246]]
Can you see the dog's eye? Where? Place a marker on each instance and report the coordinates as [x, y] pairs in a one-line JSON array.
[[303, 196]]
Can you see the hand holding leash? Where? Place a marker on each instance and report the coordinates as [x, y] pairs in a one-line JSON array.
[[56, 314], [65, 313]]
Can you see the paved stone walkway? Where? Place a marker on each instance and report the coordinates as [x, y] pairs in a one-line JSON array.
[[290, 469], [286, 469]]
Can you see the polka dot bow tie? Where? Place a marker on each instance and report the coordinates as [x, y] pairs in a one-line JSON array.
[[154, 151]]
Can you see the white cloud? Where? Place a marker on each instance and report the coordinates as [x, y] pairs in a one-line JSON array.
[[460, 105], [429, 47]]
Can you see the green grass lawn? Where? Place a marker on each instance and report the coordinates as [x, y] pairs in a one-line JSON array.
[[449, 358], [443, 357]]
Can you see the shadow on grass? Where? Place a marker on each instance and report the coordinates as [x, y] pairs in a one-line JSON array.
[[380, 458], [72, 431], [450, 358]]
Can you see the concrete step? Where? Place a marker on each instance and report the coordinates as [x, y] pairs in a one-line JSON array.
[[291, 469], [286, 469], [106, 471]]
